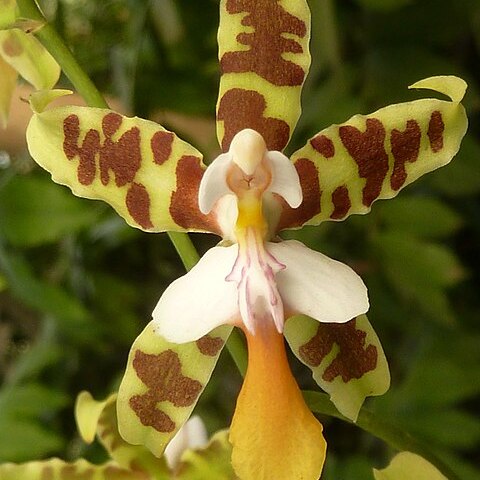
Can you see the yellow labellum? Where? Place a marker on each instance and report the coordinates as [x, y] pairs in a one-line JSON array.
[[274, 434]]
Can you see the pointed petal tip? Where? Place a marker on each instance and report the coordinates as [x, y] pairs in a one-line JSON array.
[[450, 85]]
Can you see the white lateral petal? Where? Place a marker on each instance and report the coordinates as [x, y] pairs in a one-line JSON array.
[[214, 183], [192, 435], [316, 285], [285, 181], [201, 300]]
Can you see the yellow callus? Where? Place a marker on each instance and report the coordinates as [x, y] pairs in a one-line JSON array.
[[274, 434]]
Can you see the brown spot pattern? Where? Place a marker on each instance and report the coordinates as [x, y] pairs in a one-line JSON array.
[[341, 202], [138, 205], [47, 473], [353, 359], [435, 131], [405, 148], [121, 157], [240, 109], [119, 473], [12, 47], [161, 144], [184, 201], [310, 206], [323, 145], [368, 150], [267, 42], [209, 345], [70, 472], [162, 374]]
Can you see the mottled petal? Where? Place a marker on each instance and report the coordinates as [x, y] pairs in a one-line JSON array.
[[201, 300], [100, 418], [285, 181], [346, 359], [149, 175], [162, 384], [214, 183], [345, 168], [81, 469], [317, 286], [29, 58], [264, 59], [274, 435]]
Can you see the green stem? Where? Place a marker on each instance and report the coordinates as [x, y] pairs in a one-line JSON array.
[[236, 349], [185, 249], [382, 429], [54, 44]]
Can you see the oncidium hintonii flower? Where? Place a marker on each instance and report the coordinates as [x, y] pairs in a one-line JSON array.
[[271, 289], [21, 53]]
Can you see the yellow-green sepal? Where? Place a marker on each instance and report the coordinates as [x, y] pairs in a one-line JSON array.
[[9, 80], [100, 418], [407, 466], [346, 359], [57, 469], [8, 13], [212, 462], [146, 173], [264, 59], [24, 53], [162, 384], [345, 168]]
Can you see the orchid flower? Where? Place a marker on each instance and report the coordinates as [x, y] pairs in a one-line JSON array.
[[21, 53], [269, 288]]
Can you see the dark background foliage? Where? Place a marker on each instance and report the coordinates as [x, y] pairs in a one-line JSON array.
[[77, 284]]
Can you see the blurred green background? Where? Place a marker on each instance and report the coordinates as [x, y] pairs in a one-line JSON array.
[[77, 284]]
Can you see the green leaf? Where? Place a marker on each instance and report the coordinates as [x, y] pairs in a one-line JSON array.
[[73, 318], [461, 177], [450, 428], [29, 400], [408, 466], [420, 271], [212, 462], [26, 439], [384, 5], [419, 216], [347, 360], [436, 381], [36, 211], [162, 384]]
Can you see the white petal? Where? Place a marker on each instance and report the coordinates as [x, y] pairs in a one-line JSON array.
[[285, 181], [192, 435], [201, 300], [317, 286], [214, 183]]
